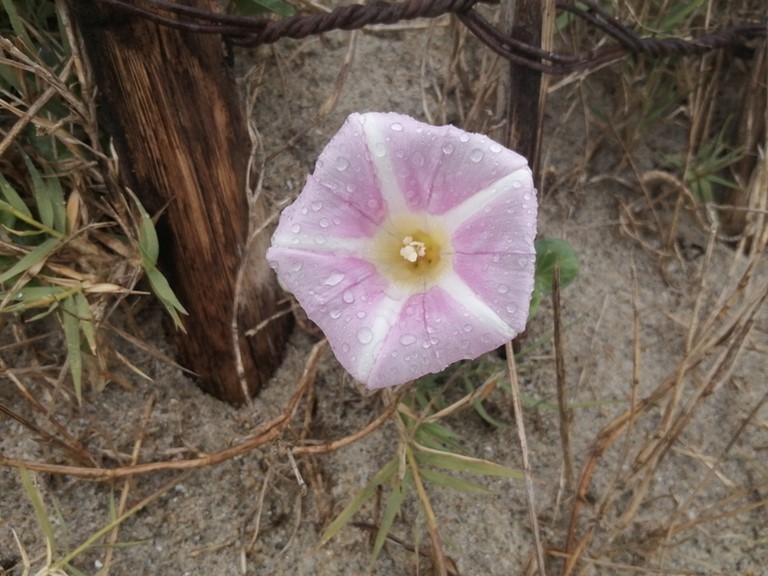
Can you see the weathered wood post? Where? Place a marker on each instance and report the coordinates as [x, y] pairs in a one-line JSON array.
[[168, 102]]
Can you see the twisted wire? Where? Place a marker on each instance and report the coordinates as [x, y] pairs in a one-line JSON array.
[[250, 31]]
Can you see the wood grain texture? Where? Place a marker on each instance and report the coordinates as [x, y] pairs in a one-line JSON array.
[[168, 102]]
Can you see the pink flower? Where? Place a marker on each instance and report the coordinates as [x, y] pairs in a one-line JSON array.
[[411, 246]]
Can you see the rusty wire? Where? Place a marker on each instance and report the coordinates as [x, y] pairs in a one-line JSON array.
[[249, 31]]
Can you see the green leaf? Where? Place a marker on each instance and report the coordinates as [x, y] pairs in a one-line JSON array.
[[34, 257], [43, 198], [462, 463], [13, 197], [16, 22], [29, 297], [383, 476], [552, 252], [71, 324], [163, 291], [259, 7], [85, 316], [453, 482], [39, 507], [393, 505]]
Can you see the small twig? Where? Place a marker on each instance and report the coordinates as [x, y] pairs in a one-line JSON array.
[[566, 415], [517, 407]]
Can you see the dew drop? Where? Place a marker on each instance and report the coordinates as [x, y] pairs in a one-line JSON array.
[[342, 163], [373, 203], [323, 222], [335, 313], [319, 239], [464, 137], [448, 148], [397, 127], [407, 339], [334, 279], [360, 314], [417, 158], [345, 347], [336, 220], [476, 155], [380, 150], [364, 336], [464, 344], [527, 196], [495, 147], [511, 309], [503, 288], [316, 205], [296, 228], [296, 266], [517, 184], [467, 328], [348, 297]]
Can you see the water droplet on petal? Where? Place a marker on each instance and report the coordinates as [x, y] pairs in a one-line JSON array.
[[397, 127], [364, 336], [511, 309], [360, 314], [503, 288], [417, 158], [345, 347], [334, 279], [464, 137], [320, 239], [467, 327], [316, 205], [516, 184], [380, 150], [527, 196], [496, 147], [323, 222], [342, 163], [476, 155], [335, 313], [348, 297], [407, 339], [448, 148], [296, 266], [296, 228]]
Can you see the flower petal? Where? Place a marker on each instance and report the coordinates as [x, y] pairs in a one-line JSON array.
[[434, 330], [433, 168], [346, 169]]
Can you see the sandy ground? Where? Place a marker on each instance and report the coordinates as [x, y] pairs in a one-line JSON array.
[[206, 524]]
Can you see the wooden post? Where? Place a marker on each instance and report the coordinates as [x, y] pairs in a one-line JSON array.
[[524, 92], [167, 101]]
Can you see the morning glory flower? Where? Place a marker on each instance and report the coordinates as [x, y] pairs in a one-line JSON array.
[[411, 246]]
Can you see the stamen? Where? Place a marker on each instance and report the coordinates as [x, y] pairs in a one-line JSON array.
[[412, 249]]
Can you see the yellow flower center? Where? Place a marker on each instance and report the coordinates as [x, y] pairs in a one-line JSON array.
[[411, 251]]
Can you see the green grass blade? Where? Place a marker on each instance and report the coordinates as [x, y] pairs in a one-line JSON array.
[[162, 289], [35, 257], [85, 316], [383, 476], [13, 198], [71, 325], [387, 519], [17, 25], [460, 463], [43, 198], [39, 506], [453, 482]]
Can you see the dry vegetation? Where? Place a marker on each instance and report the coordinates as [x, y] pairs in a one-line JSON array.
[[59, 344]]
